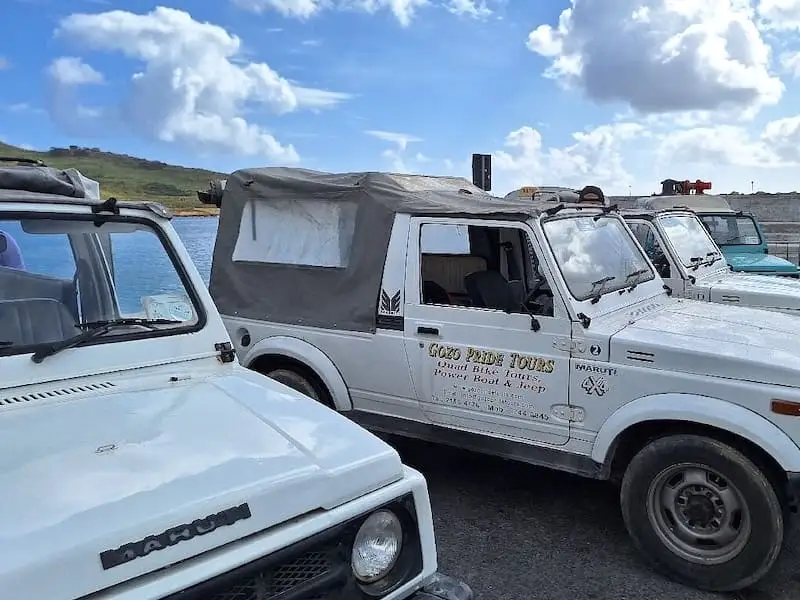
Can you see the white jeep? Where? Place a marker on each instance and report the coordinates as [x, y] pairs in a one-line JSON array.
[[425, 307], [693, 266], [141, 461], [685, 254]]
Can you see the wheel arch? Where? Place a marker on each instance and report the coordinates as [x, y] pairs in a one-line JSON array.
[[634, 424], [295, 352]]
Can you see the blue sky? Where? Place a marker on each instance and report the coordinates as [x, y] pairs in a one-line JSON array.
[[620, 93]]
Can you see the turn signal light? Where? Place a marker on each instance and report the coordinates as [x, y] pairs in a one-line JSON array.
[[784, 407]]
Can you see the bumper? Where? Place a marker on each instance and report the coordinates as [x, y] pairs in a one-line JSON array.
[[442, 587]]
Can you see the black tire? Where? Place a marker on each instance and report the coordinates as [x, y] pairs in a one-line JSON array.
[[299, 383], [760, 513]]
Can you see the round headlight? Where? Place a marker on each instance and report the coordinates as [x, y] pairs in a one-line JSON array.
[[377, 546]]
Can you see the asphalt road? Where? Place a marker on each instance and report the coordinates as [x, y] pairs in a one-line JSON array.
[[515, 532]]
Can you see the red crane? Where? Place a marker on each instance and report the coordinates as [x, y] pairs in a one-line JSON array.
[[673, 187]]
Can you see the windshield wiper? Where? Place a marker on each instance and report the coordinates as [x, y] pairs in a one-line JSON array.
[[151, 323], [93, 330], [714, 256], [696, 262], [630, 276], [601, 283]]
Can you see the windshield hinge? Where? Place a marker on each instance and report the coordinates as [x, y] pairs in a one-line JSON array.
[[226, 351], [585, 319]]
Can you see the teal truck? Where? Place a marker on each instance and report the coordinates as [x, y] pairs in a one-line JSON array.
[[738, 234]]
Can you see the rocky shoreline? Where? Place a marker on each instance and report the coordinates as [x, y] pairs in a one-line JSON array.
[[196, 212]]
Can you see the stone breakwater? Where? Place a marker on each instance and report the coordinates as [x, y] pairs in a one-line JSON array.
[[779, 215]]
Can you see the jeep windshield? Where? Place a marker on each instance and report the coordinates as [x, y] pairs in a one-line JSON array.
[[596, 254], [67, 281], [732, 230], [690, 240]]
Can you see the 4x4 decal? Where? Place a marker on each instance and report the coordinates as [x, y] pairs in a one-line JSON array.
[[390, 305], [595, 385]]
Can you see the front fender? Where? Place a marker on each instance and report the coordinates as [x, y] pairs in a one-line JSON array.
[[704, 410], [309, 355]]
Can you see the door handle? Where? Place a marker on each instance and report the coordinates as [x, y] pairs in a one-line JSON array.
[[428, 330]]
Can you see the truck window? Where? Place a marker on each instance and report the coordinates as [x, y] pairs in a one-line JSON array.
[[595, 255], [732, 230], [474, 266], [652, 246], [49, 255], [313, 233]]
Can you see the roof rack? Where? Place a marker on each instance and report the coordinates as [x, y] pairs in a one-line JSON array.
[[23, 160], [41, 179]]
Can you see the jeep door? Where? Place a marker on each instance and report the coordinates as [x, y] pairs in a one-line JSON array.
[[476, 361]]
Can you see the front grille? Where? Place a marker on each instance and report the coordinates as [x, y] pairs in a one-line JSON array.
[[269, 584], [312, 572], [316, 568]]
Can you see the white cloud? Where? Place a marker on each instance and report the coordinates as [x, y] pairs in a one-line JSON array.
[[778, 145], [69, 70], [396, 157], [790, 61], [22, 107], [301, 9], [661, 55], [472, 8], [403, 10], [780, 14], [594, 158], [401, 139], [194, 85]]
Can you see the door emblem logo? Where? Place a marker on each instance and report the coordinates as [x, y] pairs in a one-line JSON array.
[[390, 305], [594, 386]]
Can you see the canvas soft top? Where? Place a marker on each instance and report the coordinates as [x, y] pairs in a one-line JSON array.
[[40, 184], [695, 202], [328, 297], [394, 192]]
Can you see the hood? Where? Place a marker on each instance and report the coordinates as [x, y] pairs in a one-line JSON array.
[[754, 261], [704, 338], [757, 291], [93, 473]]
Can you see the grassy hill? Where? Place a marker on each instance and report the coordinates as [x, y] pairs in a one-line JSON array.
[[129, 177]]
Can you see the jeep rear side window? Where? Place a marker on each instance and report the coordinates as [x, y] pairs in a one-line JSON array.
[[474, 266], [296, 232]]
